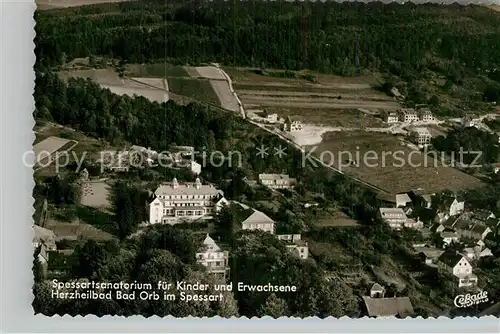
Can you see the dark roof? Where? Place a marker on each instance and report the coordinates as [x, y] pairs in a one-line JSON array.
[[481, 214], [450, 258], [448, 200], [479, 228], [386, 307], [492, 222]]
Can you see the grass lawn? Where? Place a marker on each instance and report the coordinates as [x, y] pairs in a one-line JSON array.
[[200, 90]]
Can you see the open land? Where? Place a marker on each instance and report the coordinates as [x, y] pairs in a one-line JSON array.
[[54, 4], [416, 172], [95, 194], [46, 150]]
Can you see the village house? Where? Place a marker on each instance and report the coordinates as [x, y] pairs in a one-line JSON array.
[[451, 206], [258, 221], [429, 255], [394, 217], [407, 115], [213, 258], [377, 305], [115, 161], [459, 266], [425, 115], [176, 202], [402, 200], [277, 181], [414, 224], [449, 238], [422, 136], [272, 118], [295, 244], [185, 151], [466, 226], [391, 118], [292, 125]]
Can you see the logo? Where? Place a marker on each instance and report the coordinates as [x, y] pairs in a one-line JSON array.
[[470, 300]]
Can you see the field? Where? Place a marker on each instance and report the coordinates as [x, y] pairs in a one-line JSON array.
[[96, 194], [159, 70], [389, 164], [46, 150], [197, 89]]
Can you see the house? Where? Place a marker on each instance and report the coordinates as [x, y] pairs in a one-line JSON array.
[[277, 181], [414, 224], [449, 237], [183, 150], [258, 221], [407, 115], [377, 291], [391, 118], [273, 118], [175, 202], [483, 215], [388, 307], [213, 258], [425, 114], [452, 206], [295, 244], [438, 228], [466, 226], [115, 161], [402, 200], [395, 217], [430, 255], [485, 252], [292, 125], [195, 167], [422, 136], [459, 266], [470, 253], [427, 201]]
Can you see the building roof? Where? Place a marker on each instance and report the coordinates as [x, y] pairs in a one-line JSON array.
[[386, 307], [188, 188], [209, 242], [447, 234], [273, 177], [479, 228], [408, 111], [377, 287], [483, 215], [422, 131], [430, 252], [258, 217], [450, 258], [392, 212], [448, 200], [403, 197]]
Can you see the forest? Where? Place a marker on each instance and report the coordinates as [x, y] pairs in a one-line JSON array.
[[344, 38]]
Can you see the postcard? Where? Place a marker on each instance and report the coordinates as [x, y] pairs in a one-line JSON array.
[[252, 159]]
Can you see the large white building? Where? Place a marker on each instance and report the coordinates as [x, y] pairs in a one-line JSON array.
[[408, 115], [395, 217], [422, 136], [212, 257], [177, 202]]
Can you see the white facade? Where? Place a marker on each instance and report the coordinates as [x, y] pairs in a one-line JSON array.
[[456, 208], [295, 244], [195, 167], [258, 221], [449, 237], [392, 118], [402, 200], [395, 217], [277, 181], [408, 115], [426, 115], [423, 136], [213, 258], [176, 202], [292, 125]]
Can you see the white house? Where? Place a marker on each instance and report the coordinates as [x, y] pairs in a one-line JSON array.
[[175, 202], [295, 244], [452, 206], [402, 200], [395, 217], [449, 237], [258, 221], [277, 181], [422, 136], [212, 257], [425, 115], [377, 291], [414, 224], [195, 167], [408, 115], [459, 266], [292, 125], [391, 118]]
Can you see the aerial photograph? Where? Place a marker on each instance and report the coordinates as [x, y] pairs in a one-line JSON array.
[[266, 159]]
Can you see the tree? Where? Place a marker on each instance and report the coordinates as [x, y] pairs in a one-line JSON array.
[[274, 307]]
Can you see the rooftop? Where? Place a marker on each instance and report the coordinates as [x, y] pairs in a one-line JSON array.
[[274, 177], [422, 131], [386, 307], [258, 217], [187, 188], [450, 258]]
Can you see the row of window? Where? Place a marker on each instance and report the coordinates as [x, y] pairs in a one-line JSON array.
[[187, 196]]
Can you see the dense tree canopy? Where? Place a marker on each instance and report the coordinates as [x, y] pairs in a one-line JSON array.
[[335, 37]]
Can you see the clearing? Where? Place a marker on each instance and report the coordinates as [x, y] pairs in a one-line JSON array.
[[96, 194], [200, 90], [46, 150], [384, 161]]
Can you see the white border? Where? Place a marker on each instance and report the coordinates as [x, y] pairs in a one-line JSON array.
[[16, 208]]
